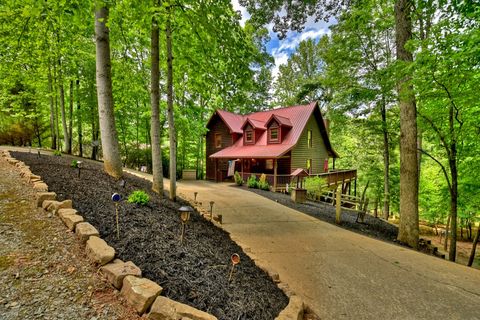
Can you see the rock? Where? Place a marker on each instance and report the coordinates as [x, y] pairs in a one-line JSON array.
[[85, 230], [116, 271], [34, 176], [293, 311], [42, 196], [167, 309], [47, 203], [71, 220], [54, 206], [62, 212], [99, 251], [40, 187], [140, 292]]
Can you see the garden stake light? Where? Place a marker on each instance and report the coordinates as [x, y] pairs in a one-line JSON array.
[[78, 166], [211, 209], [38, 152], [116, 199], [195, 196], [184, 217], [235, 258]]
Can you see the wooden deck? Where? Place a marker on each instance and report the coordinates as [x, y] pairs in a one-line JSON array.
[[341, 177]]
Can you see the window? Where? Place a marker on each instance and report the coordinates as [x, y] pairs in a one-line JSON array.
[[249, 136], [269, 164], [274, 134], [309, 166], [218, 140], [309, 138]]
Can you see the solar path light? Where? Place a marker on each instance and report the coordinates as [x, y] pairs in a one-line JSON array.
[[235, 258], [79, 164], [211, 209], [116, 198], [38, 152], [184, 217], [195, 196]]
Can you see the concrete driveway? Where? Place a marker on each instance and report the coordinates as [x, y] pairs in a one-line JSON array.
[[338, 273], [341, 274]]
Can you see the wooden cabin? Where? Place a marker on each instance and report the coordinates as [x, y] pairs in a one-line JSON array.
[[274, 142]]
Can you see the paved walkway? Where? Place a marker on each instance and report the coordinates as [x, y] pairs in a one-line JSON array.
[[341, 274]]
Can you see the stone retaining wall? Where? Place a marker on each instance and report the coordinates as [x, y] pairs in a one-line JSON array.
[[143, 294]]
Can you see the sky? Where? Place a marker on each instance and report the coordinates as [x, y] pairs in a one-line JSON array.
[[282, 49]]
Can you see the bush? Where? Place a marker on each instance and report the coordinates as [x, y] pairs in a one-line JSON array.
[[57, 153], [74, 164], [252, 182], [138, 197], [238, 178], [315, 187], [263, 183]]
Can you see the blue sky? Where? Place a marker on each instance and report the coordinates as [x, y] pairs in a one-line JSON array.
[[282, 49]]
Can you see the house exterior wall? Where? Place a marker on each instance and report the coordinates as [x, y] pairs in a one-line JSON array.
[[318, 152], [216, 126]]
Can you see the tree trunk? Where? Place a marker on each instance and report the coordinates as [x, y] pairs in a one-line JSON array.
[[52, 110], [386, 162], [79, 121], [111, 154], [157, 169], [57, 120], [171, 123], [474, 248], [408, 228], [452, 253], [445, 245], [70, 119], [61, 90]]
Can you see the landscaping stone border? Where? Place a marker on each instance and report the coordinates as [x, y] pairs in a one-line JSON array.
[[143, 294]]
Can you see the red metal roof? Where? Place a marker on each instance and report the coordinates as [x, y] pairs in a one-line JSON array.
[[295, 116], [255, 124], [281, 120]]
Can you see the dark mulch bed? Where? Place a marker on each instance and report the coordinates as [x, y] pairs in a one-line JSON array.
[[371, 226], [195, 273]]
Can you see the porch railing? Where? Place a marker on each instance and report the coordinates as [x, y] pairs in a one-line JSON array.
[[332, 177], [335, 176]]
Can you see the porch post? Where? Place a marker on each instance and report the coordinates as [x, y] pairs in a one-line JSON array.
[[216, 166], [274, 175], [241, 167]]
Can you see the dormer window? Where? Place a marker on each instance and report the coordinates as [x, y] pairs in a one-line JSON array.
[[273, 134], [249, 136]]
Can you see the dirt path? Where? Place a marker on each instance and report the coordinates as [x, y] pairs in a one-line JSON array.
[[43, 270]]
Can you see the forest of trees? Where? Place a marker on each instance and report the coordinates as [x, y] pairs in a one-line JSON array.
[[135, 83]]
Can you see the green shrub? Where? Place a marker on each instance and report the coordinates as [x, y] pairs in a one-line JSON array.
[[238, 178], [263, 183], [315, 187], [252, 182], [57, 153], [139, 197], [74, 164]]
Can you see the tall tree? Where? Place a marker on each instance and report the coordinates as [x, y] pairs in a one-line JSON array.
[[111, 150], [171, 120], [157, 168], [409, 227]]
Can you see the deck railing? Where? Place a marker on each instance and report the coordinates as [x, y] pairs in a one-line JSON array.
[[335, 176], [332, 177]]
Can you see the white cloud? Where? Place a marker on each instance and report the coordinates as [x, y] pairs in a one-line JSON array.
[[243, 11], [280, 57]]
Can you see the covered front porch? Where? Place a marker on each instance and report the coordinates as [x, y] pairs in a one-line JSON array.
[[278, 172]]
